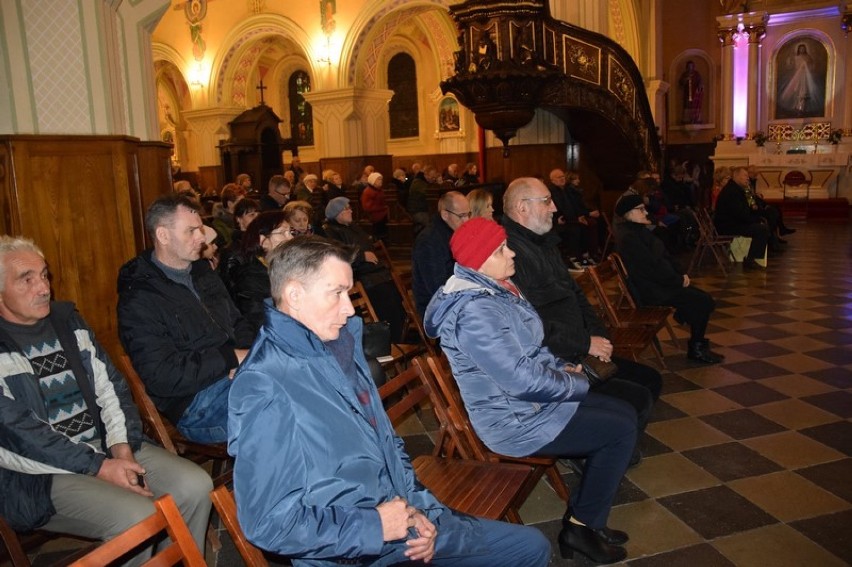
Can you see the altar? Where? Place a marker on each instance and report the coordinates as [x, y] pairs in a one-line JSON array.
[[826, 174]]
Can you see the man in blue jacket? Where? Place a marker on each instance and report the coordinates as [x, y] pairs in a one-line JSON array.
[[320, 476], [72, 456]]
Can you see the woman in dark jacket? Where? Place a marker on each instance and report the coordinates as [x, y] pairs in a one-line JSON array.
[[657, 279], [247, 273], [367, 269]]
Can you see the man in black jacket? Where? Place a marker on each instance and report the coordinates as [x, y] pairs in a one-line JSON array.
[[737, 213], [572, 329], [178, 324], [72, 454], [431, 259]]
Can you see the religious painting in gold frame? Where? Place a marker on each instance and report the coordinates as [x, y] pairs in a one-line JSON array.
[[801, 82]]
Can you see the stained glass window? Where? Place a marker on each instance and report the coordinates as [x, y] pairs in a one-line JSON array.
[[301, 115], [402, 80]]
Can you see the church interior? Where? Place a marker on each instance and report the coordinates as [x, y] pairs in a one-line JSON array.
[[108, 103]]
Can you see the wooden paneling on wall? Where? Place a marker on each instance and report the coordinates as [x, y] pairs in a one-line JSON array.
[[352, 167], [80, 198], [524, 161]]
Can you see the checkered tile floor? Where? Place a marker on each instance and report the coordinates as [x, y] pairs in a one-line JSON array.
[[746, 462]]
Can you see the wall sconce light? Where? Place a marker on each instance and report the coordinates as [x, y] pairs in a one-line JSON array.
[[325, 52], [195, 77]]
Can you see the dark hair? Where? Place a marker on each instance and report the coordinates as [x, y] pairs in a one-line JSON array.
[[245, 206], [301, 258], [162, 211], [262, 225], [229, 193]]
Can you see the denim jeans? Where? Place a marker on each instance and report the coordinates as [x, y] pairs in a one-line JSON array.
[[206, 418]]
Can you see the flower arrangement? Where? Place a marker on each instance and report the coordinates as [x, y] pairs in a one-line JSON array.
[[835, 136], [760, 138]]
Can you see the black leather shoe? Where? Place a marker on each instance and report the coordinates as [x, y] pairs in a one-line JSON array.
[[587, 541], [699, 350], [784, 231], [750, 265], [612, 537]]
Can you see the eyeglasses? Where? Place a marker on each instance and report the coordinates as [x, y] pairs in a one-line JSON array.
[[459, 215], [546, 200]]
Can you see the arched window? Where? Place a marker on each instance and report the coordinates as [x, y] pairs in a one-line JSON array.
[[402, 80], [301, 114]]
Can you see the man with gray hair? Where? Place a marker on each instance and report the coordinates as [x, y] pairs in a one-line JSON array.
[[72, 454], [178, 324], [572, 329], [320, 475]]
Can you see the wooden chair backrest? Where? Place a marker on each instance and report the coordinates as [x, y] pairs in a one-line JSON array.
[[361, 303], [466, 442], [621, 272], [166, 518], [226, 507], [14, 550], [155, 426], [610, 288]]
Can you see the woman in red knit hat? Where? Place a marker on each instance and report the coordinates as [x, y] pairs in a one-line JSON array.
[[523, 400]]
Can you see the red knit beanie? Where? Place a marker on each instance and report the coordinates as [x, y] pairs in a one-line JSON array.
[[474, 241]]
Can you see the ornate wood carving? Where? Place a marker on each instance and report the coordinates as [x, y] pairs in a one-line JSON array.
[[514, 57]]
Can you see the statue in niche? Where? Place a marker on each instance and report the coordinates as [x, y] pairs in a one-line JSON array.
[[801, 80], [693, 94]]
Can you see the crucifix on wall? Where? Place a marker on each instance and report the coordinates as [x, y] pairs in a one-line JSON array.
[[261, 88]]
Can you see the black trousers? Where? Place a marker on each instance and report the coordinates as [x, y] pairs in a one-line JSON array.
[[637, 384], [693, 306]]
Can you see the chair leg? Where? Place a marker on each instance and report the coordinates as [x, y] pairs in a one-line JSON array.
[[672, 334], [557, 483], [513, 517]]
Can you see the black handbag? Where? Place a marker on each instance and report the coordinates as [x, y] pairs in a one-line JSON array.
[[376, 339], [598, 371]]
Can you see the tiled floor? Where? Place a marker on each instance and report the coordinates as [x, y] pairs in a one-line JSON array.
[[747, 462]]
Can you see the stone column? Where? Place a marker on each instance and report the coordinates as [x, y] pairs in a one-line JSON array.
[[207, 127], [350, 121], [726, 36], [656, 91], [756, 33]]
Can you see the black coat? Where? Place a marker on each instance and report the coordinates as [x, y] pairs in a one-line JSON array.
[[367, 273], [431, 261], [569, 319], [654, 274], [733, 213], [248, 280], [178, 344]]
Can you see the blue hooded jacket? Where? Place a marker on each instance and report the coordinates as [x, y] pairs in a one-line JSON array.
[[310, 467], [517, 393]]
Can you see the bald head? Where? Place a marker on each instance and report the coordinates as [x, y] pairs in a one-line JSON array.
[[454, 209], [527, 201], [557, 177]]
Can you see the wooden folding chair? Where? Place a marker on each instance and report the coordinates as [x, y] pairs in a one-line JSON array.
[[609, 236], [463, 440], [629, 311], [160, 429], [166, 518], [612, 292], [401, 353], [402, 282], [628, 342], [14, 546], [709, 240], [476, 487], [226, 507]]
